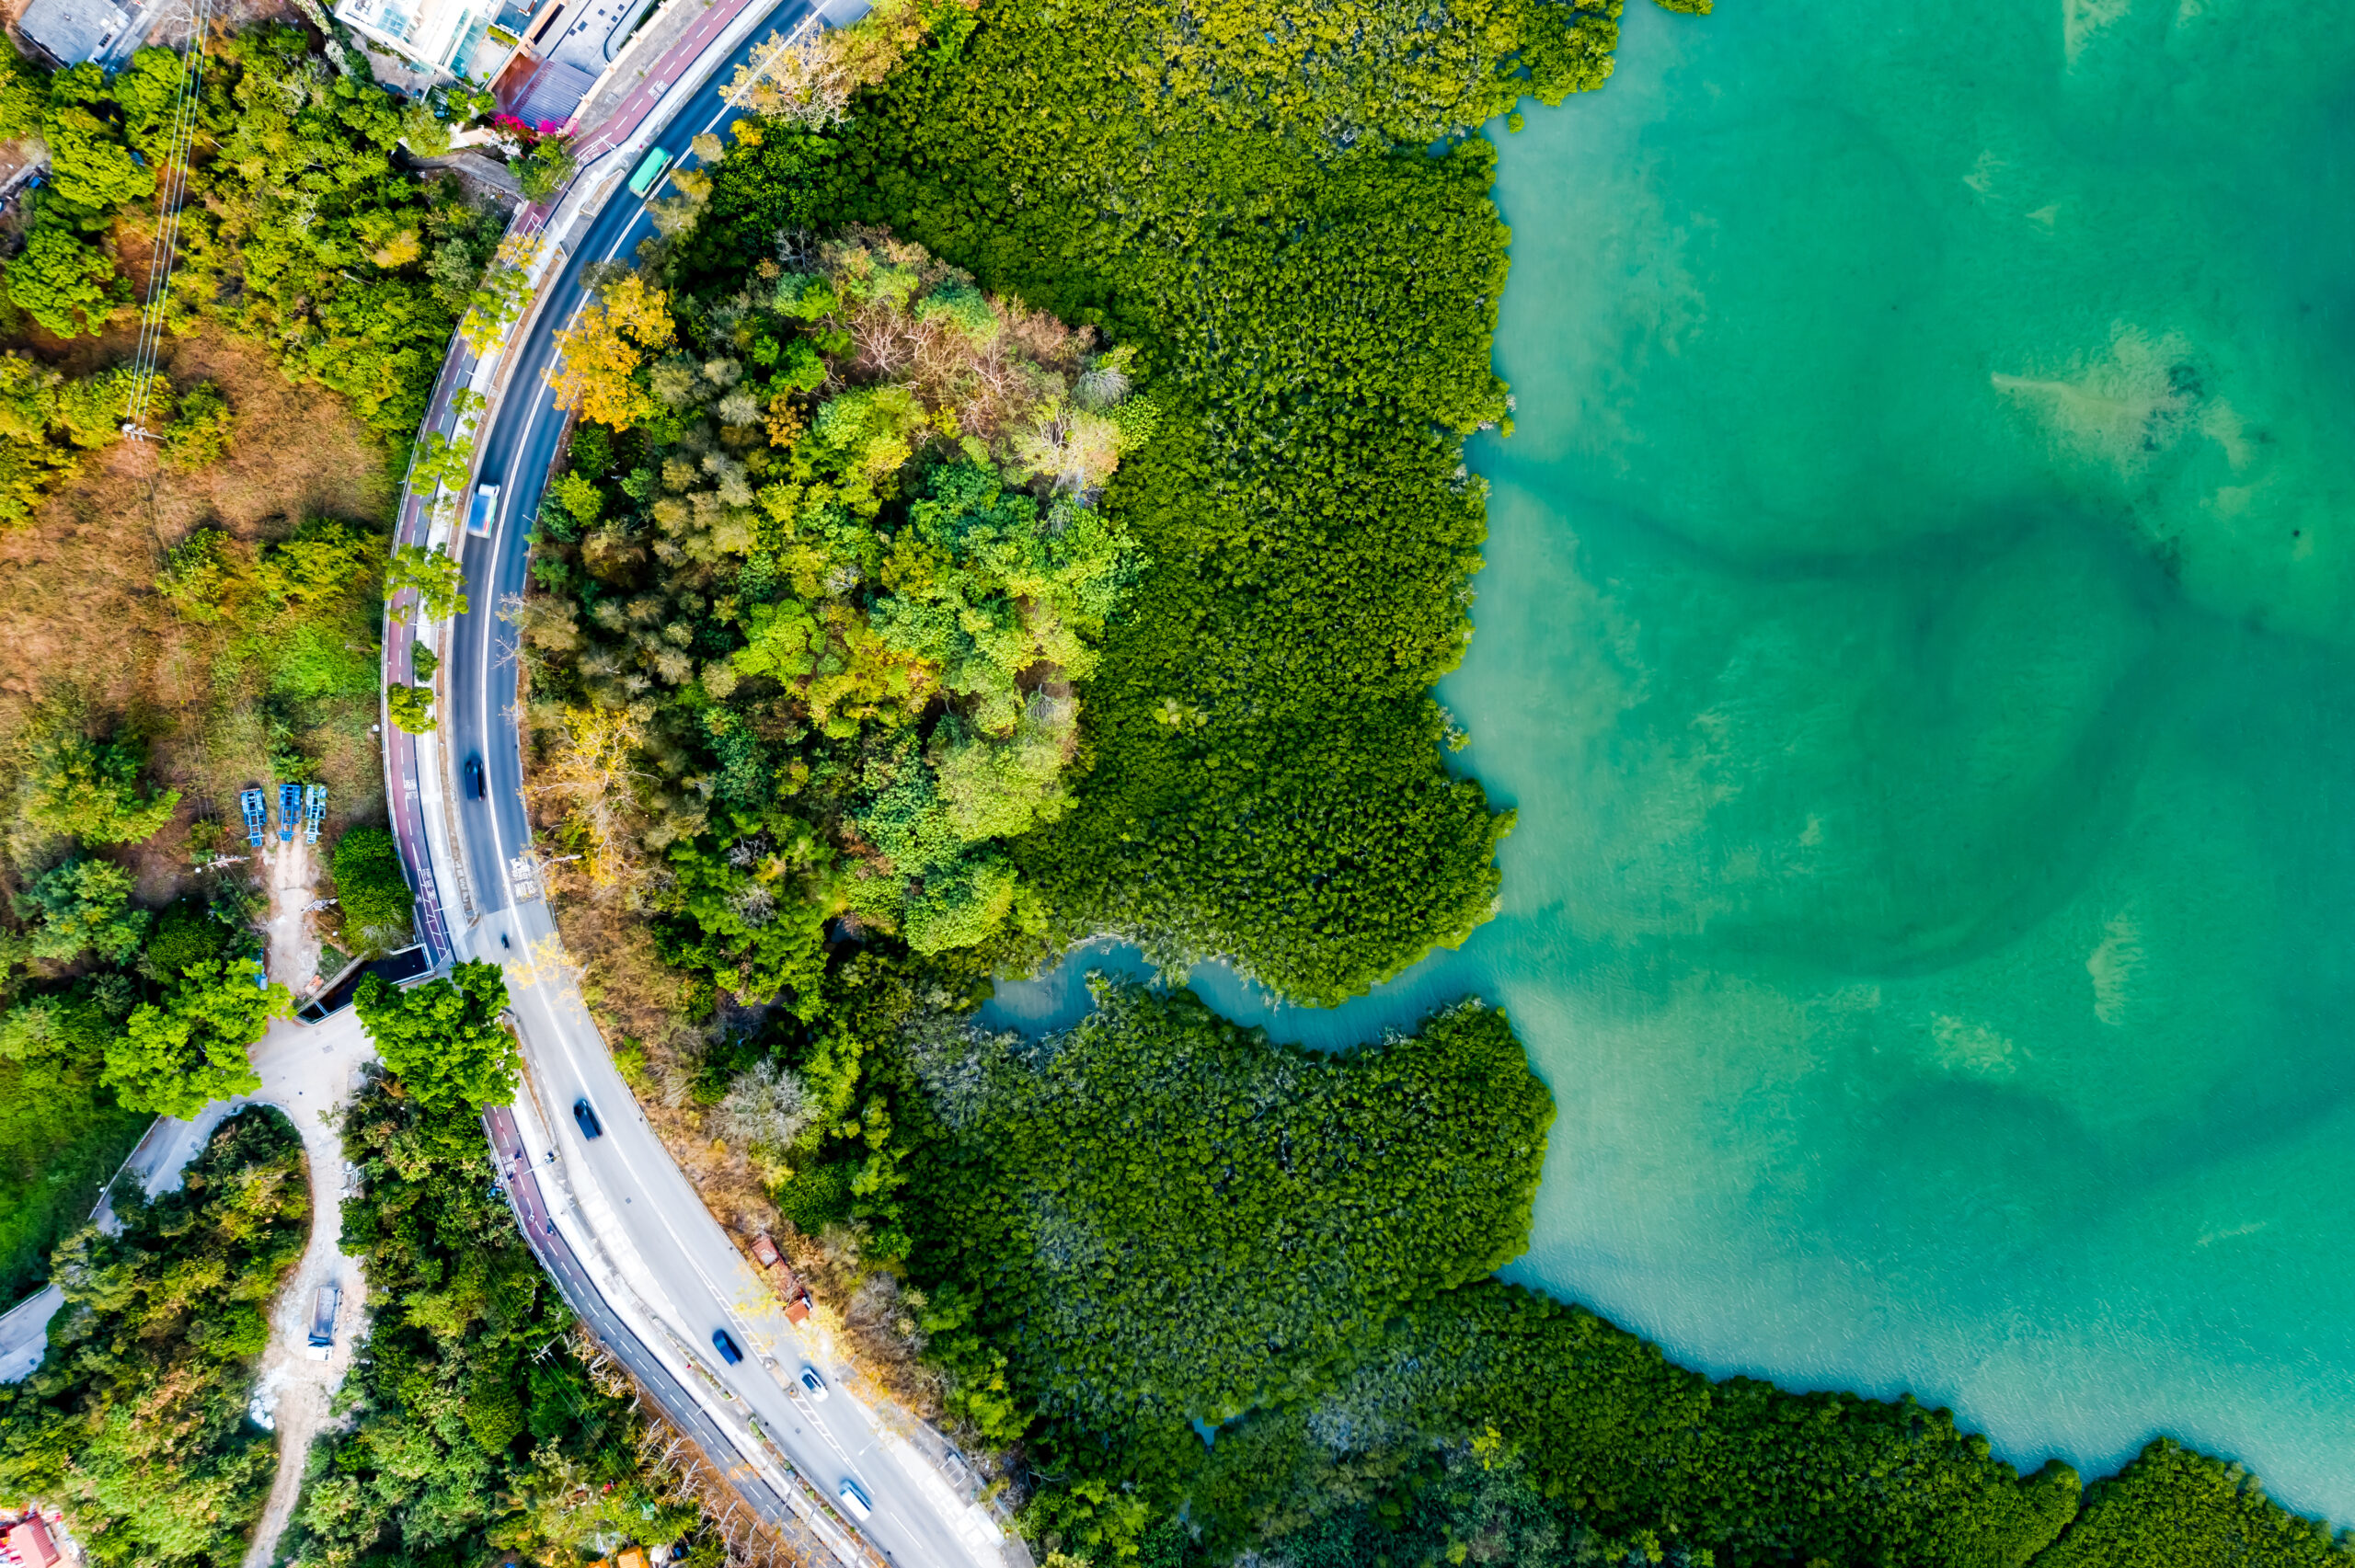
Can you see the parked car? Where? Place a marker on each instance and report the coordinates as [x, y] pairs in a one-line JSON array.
[[726, 1346], [855, 1498], [474, 777], [587, 1118], [814, 1383]]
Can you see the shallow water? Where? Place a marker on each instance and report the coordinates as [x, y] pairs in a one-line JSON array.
[[1918, 637]]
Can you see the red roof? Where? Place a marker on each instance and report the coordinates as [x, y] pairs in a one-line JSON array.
[[32, 1546]]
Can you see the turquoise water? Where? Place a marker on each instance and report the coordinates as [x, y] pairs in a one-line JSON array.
[[1919, 636]]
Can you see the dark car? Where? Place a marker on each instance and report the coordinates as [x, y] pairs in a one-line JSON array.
[[587, 1118], [726, 1346], [474, 777]]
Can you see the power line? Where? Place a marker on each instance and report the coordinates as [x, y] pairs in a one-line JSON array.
[[164, 252]]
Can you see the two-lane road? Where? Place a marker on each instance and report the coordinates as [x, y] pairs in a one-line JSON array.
[[633, 1196], [515, 453]]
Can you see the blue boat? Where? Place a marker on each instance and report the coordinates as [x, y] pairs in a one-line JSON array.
[[257, 816], [289, 808]]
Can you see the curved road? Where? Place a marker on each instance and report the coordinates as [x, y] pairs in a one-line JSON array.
[[625, 1190]]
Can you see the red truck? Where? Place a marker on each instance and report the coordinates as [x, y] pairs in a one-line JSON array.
[[781, 1277]]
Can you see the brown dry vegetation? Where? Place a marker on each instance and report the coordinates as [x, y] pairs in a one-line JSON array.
[[646, 1008], [78, 605]]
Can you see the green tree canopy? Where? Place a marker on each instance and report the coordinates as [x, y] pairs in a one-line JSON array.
[[90, 790], [198, 435], [146, 95], [1140, 1195], [2177, 1508], [476, 1434], [83, 905], [410, 708], [64, 282], [24, 94], [176, 1057], [185, 933], [438, 577], [444, 1040], [136, 1418]]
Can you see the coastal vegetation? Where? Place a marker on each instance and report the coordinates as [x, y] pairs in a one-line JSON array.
[[1287, 231], [2175, 1508], [1232, 1296], [1256, 1210], [1157, 1218], [136, 1418], [1264, 776]]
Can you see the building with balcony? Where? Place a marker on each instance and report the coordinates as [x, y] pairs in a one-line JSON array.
[[450, 38]]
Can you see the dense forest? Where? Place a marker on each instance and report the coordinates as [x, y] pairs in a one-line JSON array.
[[135, 1419], [1020, 496], [1160, 1218], [1234, 1297], [301, 231], [154, 1016], [1311, 312], [817, 584]]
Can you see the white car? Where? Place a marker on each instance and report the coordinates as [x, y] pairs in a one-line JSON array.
[[854, 1499], [814, 1383], [483, 512]]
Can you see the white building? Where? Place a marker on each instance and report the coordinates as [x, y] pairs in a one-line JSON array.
[[451, 37]]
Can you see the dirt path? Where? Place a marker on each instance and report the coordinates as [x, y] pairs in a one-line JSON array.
[[309, 1073], [288, 873]]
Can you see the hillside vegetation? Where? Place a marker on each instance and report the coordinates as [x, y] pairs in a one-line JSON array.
[[195, 615], [1312, 310], [135, 1419], [477, 1426], [1082, 1246], [816, 588]]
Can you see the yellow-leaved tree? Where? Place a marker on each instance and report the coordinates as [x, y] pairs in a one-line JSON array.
[[597, 356]]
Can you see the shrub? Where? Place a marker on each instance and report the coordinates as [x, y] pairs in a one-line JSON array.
[[198, 435], [90, 790], [372, 891]]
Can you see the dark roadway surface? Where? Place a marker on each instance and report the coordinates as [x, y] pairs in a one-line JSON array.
[[515, 454], [520, 1180]]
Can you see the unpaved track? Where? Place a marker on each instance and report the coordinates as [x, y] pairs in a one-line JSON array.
[[309, 1073], [287, 873]]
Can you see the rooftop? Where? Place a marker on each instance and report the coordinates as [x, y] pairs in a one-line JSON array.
[[70, 31]]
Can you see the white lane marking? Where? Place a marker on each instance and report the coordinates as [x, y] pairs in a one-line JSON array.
[[491, 574], [921, 1548]]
